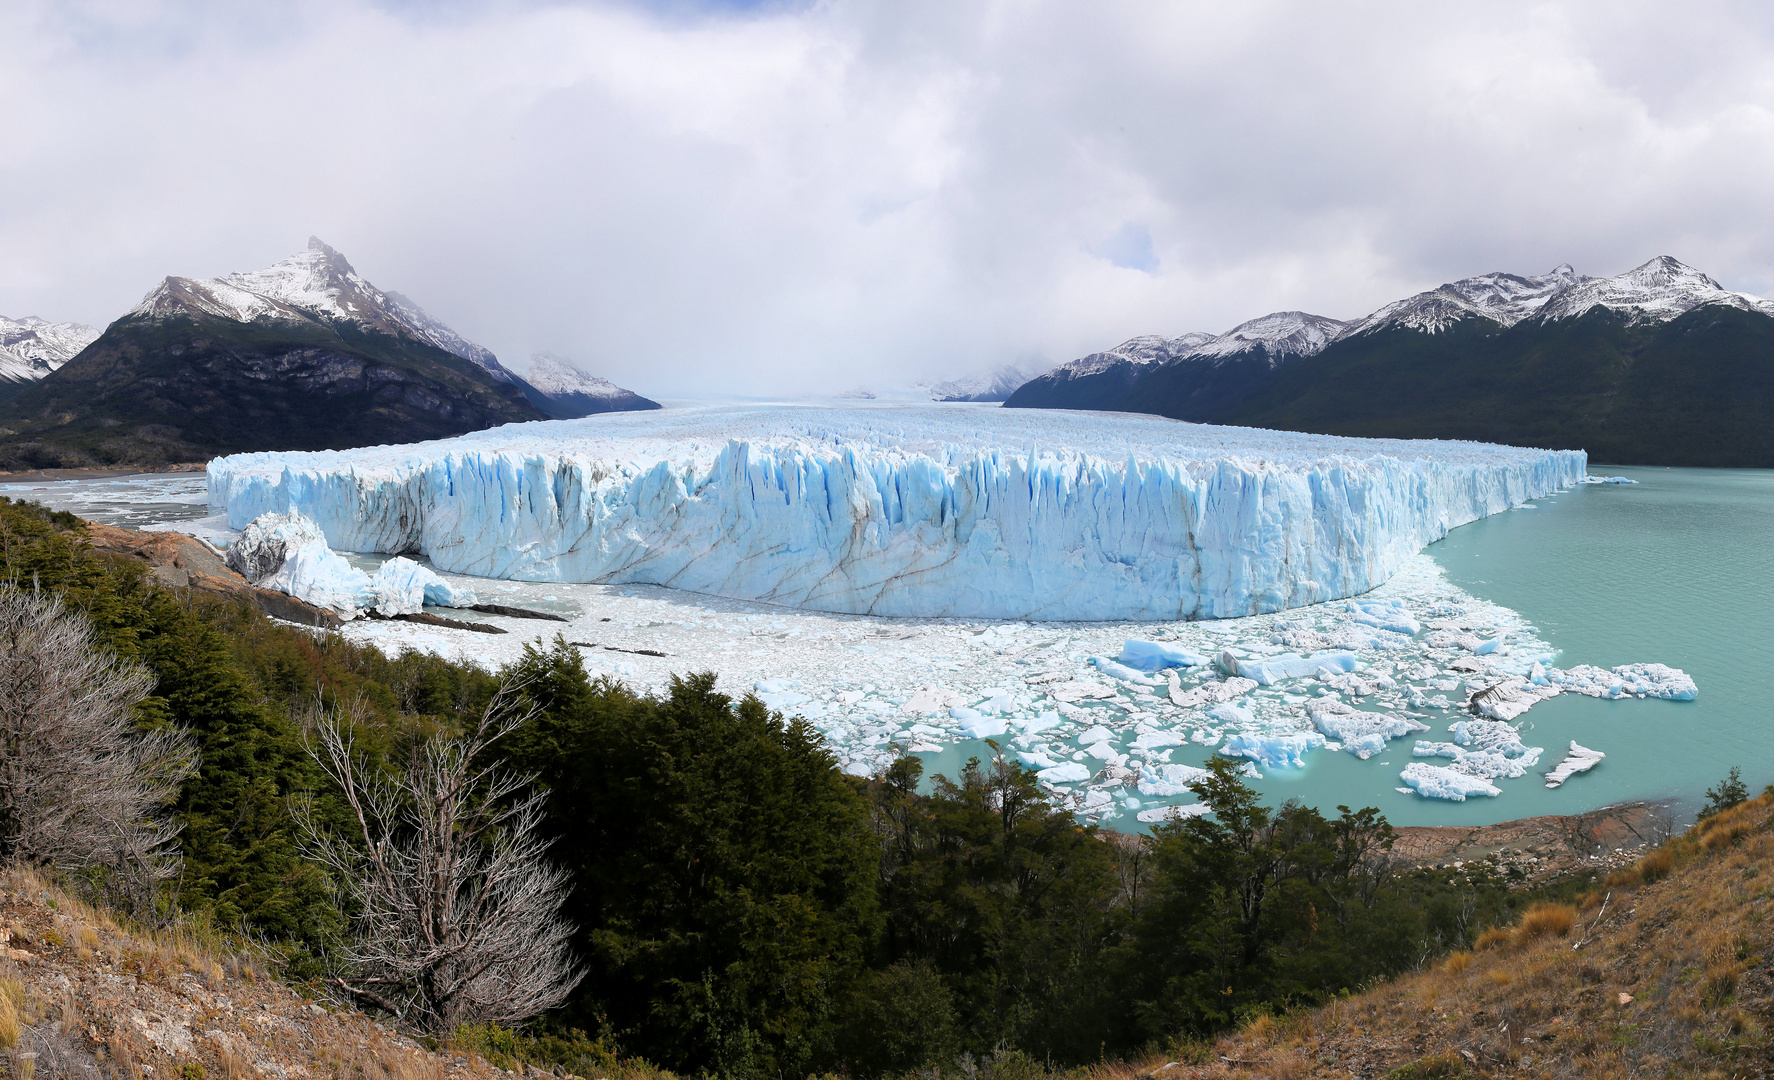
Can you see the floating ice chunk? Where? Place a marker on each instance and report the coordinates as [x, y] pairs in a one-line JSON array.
[[997, 700], [1122, 672], [316, 574], [1105, 751], [1097, 734], [1155, 656], [982, 727], [1269, 670], [1605, 480], [1484, 748], [1274, 751], [1485, 648], [1209, 693], [1228, 713], [1509, 698], [1037, 759], [1364, 746], [1039, 722], [930, 700], [1363, 734], [1174, 813], [1152, 740], [1390, 615], [1627, 680], [1167, 780], [1070, 772], [266, 542], [1436, 782], [777, 686], [1580, 759], [784, 701]]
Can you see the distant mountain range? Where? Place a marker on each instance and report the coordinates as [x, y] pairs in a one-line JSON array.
[[31, 348], [302, 355], [1659, 365]]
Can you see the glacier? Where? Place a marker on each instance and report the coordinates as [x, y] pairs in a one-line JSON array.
[[907, 511]]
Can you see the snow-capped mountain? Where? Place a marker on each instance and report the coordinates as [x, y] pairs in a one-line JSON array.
[[1658, 364], [566, 393], [1505, 299], [31, 348], [302, 354], [1283, 335], [1660, 290], [995, 385], [317, 281]]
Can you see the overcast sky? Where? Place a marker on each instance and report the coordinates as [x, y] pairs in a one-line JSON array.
[[692, 196]]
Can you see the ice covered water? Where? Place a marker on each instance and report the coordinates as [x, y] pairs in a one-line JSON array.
[[938, 687], [908, 511]]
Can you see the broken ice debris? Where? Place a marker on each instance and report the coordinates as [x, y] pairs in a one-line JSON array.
[[1580, 759], [1435, 782], [1363, 734], [1273, 669], [1156, 656], [1274, 751], [287, 553]]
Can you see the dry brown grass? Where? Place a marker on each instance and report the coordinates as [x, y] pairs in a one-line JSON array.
[[1685, 934], [1543, 920]]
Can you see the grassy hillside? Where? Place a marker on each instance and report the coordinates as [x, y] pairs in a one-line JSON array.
[[154, 391], [1664, 969]]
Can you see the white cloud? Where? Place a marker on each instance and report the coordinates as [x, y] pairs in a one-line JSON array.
[[844, 193]]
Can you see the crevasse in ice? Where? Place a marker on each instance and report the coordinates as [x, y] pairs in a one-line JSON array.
[[908, 511]]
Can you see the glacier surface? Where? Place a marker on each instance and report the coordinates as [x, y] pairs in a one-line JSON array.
[[925, 511]]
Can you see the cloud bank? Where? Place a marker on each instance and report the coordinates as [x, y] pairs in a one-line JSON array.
[[776, 199]]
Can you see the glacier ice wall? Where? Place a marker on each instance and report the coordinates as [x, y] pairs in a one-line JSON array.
[[908, 511]]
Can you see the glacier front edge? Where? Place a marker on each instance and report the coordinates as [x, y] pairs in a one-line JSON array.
[[908, 510]]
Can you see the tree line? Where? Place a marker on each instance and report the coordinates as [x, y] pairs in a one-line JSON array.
[[686, 877]]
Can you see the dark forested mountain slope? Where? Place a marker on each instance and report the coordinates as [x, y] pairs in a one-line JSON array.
[[302, 355], [1660, 365]]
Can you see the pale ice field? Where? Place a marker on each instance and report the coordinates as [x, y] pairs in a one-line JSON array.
[[1381, 679], [914, 511]]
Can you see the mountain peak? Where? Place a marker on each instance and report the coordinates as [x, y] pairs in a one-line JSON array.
[[316, 282], [320, 253], [1665, 271]]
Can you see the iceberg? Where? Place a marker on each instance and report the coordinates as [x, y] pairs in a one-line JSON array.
[[1167, 781], [1274, 751], [1273, 669], [1363, 734], [287, 553], [909, 510], [1436, 782], [1156, 656], [1580, 759]]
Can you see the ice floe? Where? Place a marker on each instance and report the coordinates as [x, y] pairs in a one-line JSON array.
[[1580, 759]]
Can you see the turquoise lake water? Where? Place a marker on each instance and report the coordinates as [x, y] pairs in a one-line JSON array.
[[1677, 569]]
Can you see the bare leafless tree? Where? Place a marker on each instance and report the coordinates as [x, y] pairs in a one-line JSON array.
[[455, 908], [82, 786]]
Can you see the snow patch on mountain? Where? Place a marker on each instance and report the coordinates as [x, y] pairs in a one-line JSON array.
[[31, 348], [554, 375], [1505, 299], [1660, 290], [1282, 333], [315, 282], [994, 385]]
